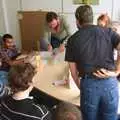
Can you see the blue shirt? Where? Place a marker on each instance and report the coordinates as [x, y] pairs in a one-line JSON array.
[[6, 55], [91, 48]]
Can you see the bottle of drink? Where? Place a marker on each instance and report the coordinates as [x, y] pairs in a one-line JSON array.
[[37, 59]]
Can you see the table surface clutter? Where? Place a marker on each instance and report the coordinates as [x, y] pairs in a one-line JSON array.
[[51, 80], [55, 78]]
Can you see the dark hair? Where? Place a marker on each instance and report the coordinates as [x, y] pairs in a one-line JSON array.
[[84, 14], [50, 16], [20, 76], [67, 111], [6, 36]]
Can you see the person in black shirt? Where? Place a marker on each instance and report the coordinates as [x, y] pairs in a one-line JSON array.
[[19, 105], [91, 49]]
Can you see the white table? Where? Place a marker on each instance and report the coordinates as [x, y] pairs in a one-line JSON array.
[[56, 71]]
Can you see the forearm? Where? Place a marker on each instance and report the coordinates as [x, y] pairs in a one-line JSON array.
[[118, 59], [74, 73], [47, 37], [15, 62], [118, 64]]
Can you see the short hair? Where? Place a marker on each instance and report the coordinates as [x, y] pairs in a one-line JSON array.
[[20, 76], [67, 111], [50, 16], [6, 36], [84, 14]]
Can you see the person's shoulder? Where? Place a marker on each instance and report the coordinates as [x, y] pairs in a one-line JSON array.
[[101, 29], [75, 35], [62, 18], [96, 28], [73, 38], [46, 27], [5, 99], [3, 50]]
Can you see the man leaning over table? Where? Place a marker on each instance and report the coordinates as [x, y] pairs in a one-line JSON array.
[[56, 31]]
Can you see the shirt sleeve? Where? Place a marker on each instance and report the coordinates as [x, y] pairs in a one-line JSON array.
[[46, 35], [66, 25], [70, 51], [115, 38], [67, 29]]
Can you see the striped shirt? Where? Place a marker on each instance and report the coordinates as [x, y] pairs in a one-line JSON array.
[[25, 109]]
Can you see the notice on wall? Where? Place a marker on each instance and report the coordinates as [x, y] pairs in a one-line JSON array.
[[93, 2]]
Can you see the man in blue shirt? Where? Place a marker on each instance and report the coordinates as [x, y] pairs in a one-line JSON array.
[[90, 49], [8, 53]]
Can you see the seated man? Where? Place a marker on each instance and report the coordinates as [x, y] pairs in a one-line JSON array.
[[19, 105], [67, 111], [56, 31], [8, 53]]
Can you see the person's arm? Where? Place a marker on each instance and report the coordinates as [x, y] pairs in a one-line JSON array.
[[67, 29], [67, 26], [47, 38], [118, 59], [71, 59], [8, 60], [103, 73], [15, 62], [74, 73]]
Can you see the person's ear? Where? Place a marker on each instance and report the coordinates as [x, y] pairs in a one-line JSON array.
[[78, 24]]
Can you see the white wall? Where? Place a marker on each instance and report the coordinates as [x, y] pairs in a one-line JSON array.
[[68, 6], [68, 9], [54, 5], [13, 26], [2, 23], [8, 21], [116, 10]]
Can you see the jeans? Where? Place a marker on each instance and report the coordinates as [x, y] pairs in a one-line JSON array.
[[3, 82], [99, 98]]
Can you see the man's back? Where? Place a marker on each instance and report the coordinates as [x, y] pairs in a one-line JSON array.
[[92, 47], [23, 109]]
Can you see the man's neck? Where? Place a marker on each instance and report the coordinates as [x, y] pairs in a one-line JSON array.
[[21, 95], [86, 24]]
